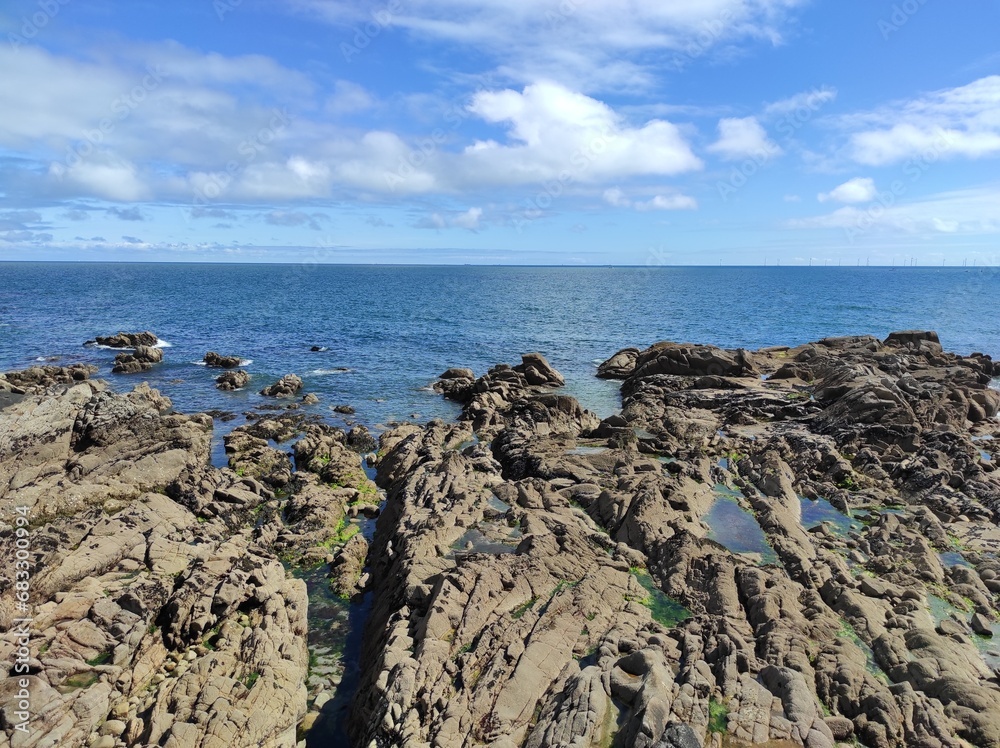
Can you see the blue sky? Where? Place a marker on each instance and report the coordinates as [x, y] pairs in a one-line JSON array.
[[501, 131]]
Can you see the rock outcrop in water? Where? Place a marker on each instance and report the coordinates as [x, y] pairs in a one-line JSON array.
[[287, 386], [791, 546], [139, 360], [126, 340], [222, 362], [229, 381]]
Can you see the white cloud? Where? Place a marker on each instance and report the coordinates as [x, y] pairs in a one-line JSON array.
[[963, 121], [805, 102], [972, 211], [467, 220], [673, 201], [588, 44], [742, 138], [668, 202], [349, 97], [614, 196], [556, 133], [857, 190]]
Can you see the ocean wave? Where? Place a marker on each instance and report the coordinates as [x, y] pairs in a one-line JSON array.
[[163, 344], [324, 372]]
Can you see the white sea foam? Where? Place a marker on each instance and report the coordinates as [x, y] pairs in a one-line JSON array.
[[324, 372], [246, 361], [163, 344]]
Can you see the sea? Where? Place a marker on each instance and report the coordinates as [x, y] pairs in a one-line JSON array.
[[385, 333]]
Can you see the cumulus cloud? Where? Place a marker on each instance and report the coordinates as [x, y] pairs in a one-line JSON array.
[[857, 190], [556, 133], [963, 121], [741, 138]]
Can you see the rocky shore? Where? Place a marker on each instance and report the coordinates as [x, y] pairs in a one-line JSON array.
[[791, 546]]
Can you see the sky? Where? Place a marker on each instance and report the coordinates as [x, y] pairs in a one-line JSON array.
[[578, 132]]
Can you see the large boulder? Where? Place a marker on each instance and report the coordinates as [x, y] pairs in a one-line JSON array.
[[539, 372]]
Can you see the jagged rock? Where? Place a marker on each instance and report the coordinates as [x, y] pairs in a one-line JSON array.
[[223, 362], [128, 583], [141, 359], [287, 386], [310, 399], [344, 409], [232, 380]]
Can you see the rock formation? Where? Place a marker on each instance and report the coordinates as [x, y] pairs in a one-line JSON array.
[[790, 546], [559, 582], [287, 386], [232, 380], [126, 340], [139, 360], [222, 362]]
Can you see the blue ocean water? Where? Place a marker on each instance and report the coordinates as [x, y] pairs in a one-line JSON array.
[[397, 328]]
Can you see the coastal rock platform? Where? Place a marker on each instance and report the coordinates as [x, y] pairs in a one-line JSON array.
[[788, 546]]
